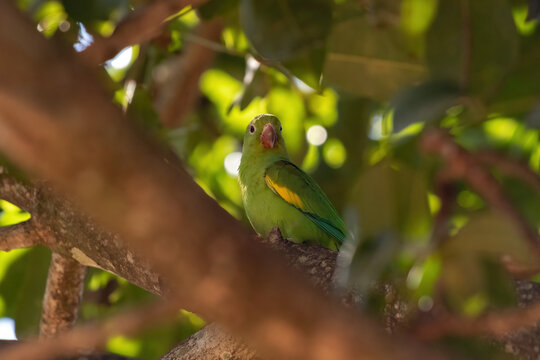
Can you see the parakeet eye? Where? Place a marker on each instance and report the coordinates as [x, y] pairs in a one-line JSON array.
[[252, 129], [280, 128]]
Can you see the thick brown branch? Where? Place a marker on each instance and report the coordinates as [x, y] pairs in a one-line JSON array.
[[51, 107], [19, 236], [464, 165], [183, 91], [90, 336], [142, 25], [63, 294], [210, 343]]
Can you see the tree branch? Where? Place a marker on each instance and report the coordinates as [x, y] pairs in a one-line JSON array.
[[119, 177], [63, 294], [510, 167], [464, 165], [19, 236], [16, 192], [140, 26], [183, 90], [87, 337]]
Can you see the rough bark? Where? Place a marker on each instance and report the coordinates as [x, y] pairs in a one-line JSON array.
[[55, 122], [63, 295]]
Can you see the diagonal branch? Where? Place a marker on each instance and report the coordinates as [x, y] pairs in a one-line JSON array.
[[19, 236], [184, 87], [63, 295], [510, 167], [91, 336], [142, 25], [464, 165], [16, 192]]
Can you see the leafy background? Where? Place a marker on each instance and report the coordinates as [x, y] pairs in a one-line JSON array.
[[355, 83]]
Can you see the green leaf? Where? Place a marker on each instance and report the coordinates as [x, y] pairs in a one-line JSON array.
[[22, 286], [473, 43], [520, 89], [424, 103], [369, 61], [281, 30], [213, 8], [96, 10], [492, 234], [392, 200], [291, 32]]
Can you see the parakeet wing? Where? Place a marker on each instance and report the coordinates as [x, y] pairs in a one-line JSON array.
[[299, 190]]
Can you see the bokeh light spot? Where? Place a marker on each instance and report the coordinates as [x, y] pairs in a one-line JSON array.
[[334, 153], [122, 59], [316, 135], [232, 162]]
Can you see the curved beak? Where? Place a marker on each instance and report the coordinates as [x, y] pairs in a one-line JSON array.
[[269, 136]]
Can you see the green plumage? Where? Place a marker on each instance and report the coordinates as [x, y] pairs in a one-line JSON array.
[[278, 193]]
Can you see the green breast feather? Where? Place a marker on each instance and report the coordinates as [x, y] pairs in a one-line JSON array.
[[299, 190]]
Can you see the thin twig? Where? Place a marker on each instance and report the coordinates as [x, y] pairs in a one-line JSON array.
[[140, 26], [464, 165], [510, 167], [63, 294], [90, 336], [19, 236]]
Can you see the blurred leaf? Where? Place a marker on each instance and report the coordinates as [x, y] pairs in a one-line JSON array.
[[281, 30], [49, 17], [424, 103], [490, 233], [362, 261], [533, 10], [288, 106], [22, 283], [417, 15], [213, 8], [473, 43], [389, 199], [256, 84], [141, 109], [472, 283], [289, 31], [369, 61], [96, 10]]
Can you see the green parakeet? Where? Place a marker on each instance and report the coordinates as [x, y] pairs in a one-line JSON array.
[[276, 192]]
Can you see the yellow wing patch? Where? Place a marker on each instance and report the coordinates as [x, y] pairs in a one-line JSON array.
[[286, 194]]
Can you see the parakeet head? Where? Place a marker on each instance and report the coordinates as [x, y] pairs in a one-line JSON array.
[[263, 135]]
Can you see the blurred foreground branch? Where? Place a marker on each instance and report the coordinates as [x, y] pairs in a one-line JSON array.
[[140, 26], [91, 336]]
